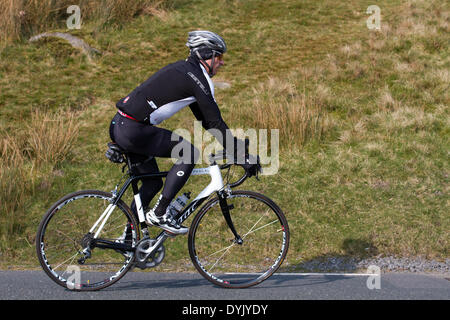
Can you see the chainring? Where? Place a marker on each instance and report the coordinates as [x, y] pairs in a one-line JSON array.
[[144, 260]]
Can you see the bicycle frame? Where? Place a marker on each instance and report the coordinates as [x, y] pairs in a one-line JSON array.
[[215, 185]]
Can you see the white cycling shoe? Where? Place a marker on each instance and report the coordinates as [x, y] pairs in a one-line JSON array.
[[165, 222]]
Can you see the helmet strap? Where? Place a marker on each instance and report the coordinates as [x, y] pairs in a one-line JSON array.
[[210, 66]]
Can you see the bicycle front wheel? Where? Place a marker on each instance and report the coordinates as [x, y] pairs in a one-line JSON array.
[[224, 261], [64, 243]]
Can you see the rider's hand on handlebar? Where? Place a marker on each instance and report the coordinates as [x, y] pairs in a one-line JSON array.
[[252, 165]]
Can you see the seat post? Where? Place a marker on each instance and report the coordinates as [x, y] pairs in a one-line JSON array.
[[130, 167], [129, 164], [134, 183]]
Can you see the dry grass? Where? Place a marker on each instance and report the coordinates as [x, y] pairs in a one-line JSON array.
[[299, 116], [14, 187], [47, 139], [41, 145], [11, 151], [385, 100], [23, 18], [51, 136]]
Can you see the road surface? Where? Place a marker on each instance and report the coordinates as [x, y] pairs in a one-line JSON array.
[[36, 285]]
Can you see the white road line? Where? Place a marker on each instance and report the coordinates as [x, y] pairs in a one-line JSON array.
[[326, 274], [311, 274]]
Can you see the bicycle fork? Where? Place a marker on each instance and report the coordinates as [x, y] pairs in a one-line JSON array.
[[222, 194]]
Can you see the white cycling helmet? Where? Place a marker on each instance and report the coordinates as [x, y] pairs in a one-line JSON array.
[[206, 40]]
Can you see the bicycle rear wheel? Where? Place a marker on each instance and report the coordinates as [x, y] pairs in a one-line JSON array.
[[63, 237], [220, 259]]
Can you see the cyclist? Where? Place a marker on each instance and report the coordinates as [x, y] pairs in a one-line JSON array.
[[177, 85]]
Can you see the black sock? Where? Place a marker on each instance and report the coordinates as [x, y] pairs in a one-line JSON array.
[[161, 206]]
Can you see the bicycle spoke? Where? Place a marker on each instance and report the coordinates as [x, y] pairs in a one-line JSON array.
[[221, 257], [264, 226], [71, 258], [243, 237], [251, 228], [68, 238], [54, 256], [220, 250]]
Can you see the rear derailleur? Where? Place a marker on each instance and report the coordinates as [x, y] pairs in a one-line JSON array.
[[85, 243]]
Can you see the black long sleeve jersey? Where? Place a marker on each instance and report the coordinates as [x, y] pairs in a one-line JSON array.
[[180, 84]]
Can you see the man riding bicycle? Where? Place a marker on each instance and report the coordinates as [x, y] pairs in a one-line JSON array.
[[177, 85]]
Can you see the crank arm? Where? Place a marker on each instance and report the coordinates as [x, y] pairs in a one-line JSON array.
[[149, 251]]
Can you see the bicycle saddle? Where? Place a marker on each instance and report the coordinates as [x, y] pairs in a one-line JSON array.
[[115, 153], [114, 146]]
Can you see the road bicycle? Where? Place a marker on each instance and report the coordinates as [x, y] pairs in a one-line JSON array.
[[90, 239]]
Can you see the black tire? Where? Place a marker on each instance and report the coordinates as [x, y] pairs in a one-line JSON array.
[[63, 232], [263, 228]]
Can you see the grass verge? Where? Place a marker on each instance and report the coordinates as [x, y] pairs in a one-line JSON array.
[[363, 119]]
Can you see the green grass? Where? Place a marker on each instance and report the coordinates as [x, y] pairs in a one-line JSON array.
[[373, 182]]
